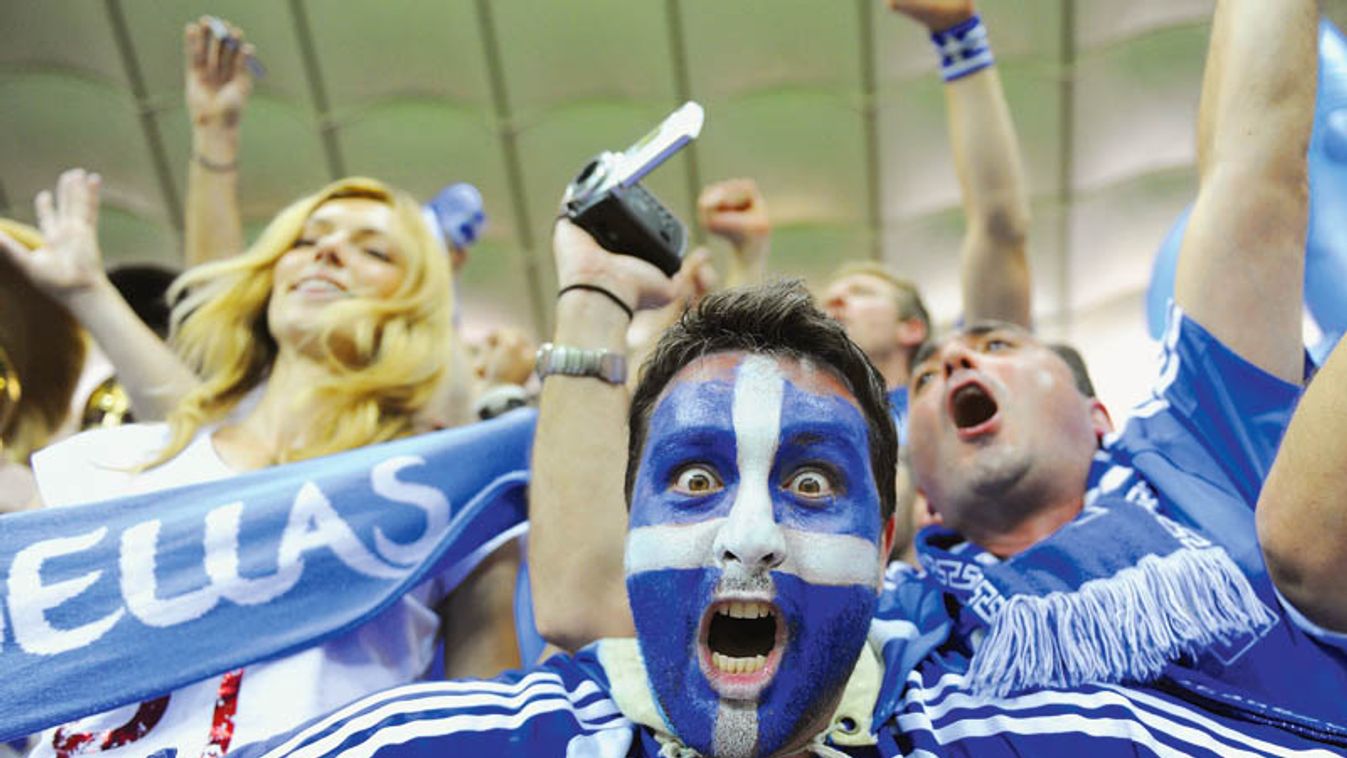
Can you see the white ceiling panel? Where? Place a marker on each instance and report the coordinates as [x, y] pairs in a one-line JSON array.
[[1136, 106], [51, 122], [555, 55], [434, 47], [833, 105], [738, 49], [1105, 22]]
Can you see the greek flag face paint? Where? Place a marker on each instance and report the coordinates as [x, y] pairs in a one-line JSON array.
[[754, 551]]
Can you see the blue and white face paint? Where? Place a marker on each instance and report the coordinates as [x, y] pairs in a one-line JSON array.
[[753, 556]]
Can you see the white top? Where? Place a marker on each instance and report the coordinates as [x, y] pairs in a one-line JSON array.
[[395, 648]]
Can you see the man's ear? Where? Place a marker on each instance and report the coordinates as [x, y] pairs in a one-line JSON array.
[[886, 536], [1100, 420], [911, 332], [886, 546]]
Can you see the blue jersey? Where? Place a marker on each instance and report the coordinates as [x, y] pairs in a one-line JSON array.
[[563, 707], [566, 707], [1196, 451], [940, 718], [898, 408]]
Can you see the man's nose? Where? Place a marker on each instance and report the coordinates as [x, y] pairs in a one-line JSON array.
[[751, 538], [834, 305], [956, 356]]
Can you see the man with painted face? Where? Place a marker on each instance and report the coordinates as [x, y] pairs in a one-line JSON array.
[[755, 501]]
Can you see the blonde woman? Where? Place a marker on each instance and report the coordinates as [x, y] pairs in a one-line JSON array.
[[329, 333]]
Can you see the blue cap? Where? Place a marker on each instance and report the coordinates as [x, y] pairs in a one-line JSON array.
[[458, 212]]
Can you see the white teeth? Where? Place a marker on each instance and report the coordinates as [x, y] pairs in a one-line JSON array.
[[746, 610], [317, 285], [731, 665]]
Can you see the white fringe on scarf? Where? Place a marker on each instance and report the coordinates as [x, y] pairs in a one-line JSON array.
[[1126, 627]]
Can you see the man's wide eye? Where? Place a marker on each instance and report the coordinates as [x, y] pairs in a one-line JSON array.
[[996, 345], [810, 483], [696, 480]]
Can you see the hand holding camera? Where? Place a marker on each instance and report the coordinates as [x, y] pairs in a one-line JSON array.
[[607, 201], [220, 71]]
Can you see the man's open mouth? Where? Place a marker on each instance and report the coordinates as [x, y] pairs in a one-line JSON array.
[[971, 406], [741, 645]]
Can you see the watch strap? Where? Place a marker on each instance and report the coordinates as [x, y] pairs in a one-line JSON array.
[[577, 361]]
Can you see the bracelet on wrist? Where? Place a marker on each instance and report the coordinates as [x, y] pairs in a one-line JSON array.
[[210, 165], [619, 302], [963, 49]]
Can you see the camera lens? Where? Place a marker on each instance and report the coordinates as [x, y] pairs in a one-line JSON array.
[[587, 171]]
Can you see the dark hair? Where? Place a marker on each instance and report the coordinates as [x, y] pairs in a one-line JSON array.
[[1079, 371], [777, 319], [144, 287]]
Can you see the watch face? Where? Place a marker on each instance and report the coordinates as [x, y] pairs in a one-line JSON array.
[[614, 368]]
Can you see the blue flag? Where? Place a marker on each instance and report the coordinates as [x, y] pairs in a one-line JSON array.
[[119, 601]]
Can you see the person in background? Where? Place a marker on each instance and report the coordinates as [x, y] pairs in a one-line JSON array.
[[502, 366], [43, 351]]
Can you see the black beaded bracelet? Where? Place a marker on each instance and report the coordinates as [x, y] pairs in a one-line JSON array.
[[596, 288]]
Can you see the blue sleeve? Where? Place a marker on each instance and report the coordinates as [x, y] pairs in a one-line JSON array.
[[551, 710], [1212, 416]]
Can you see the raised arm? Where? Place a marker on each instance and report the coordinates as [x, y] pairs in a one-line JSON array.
[[735, 210], [218, 85], [994, 263], [1302, 514], [69, 268], [1241, 268], [577, 509]]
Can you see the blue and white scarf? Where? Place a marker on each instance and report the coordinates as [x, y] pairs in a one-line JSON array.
[[120, 601], [1116, 595]]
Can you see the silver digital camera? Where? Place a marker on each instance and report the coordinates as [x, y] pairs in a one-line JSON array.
[[606, 199]]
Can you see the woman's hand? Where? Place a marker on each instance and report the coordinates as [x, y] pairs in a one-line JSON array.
[[69, 262], [218, 79]]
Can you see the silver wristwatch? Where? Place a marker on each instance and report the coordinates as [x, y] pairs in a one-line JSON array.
[[577, 361]]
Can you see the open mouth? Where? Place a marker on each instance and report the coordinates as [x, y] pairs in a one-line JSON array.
[[971, 406], [742, 642]]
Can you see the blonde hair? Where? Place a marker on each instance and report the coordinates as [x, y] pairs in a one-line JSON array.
[[45, 348], [384, 357]]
